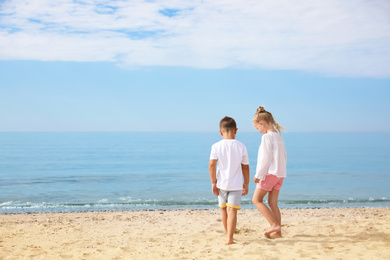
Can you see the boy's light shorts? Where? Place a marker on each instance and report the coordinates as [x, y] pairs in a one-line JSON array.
[[271, 182], [230, 199]]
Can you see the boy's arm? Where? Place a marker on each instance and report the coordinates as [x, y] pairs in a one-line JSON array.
[[245, 172], [213, 176]]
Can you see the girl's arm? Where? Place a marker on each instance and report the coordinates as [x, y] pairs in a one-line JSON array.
[[264, 158]]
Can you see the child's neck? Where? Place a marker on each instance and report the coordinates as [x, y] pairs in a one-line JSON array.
[[229, 135], [270, 129]]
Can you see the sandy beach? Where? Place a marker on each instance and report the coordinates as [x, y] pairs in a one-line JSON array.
[[195, 234]]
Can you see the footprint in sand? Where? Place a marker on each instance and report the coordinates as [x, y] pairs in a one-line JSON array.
[[252, 253], [243, 231]]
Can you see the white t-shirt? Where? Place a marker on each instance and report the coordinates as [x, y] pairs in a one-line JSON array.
[[230, 154], [272, 157]]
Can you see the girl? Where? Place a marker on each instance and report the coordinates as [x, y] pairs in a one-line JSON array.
[[270, 170]]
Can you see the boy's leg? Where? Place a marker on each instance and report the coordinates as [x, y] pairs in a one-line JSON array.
[[257, 200], [224, 218], [233, 205], [231, 224], [222, 200], [273, 204]]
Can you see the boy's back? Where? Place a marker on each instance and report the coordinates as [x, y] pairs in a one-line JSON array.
[[231, 154], [227, 183]]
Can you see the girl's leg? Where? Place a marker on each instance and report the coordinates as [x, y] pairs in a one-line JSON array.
[[257, 200], [273, 204]]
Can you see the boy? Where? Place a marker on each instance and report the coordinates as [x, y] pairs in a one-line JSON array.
[[226, 180]]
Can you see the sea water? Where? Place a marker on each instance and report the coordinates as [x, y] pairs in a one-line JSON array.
[[66, 172]]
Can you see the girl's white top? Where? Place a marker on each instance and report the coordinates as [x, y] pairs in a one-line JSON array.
[[272, 157]]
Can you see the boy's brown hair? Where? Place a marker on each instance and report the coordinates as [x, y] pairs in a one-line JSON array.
[[227, 124]]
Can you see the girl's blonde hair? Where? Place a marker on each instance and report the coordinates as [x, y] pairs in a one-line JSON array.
[[263, 115]]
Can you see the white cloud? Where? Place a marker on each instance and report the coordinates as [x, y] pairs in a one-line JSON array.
[[338, 38]]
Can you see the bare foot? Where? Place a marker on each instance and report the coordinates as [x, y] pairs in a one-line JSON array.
[[272, 229], [275, 235], [230, 242]]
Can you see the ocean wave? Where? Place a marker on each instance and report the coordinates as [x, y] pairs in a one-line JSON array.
[[129, 203]]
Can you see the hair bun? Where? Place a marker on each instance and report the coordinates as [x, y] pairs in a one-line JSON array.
[[260, 109]]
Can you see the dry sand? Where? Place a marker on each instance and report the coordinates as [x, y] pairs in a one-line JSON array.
[[194, 234]]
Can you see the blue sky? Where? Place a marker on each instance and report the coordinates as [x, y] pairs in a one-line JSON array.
[[183, 65]]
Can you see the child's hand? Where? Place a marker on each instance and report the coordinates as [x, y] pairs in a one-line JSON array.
[[256, 180], [245, 189], [215, 189]]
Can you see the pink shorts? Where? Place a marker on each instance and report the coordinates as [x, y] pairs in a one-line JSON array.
[[271, 182]]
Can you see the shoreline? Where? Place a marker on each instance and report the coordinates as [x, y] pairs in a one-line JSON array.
[[184, 209], [17, 207], [318, 233]]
